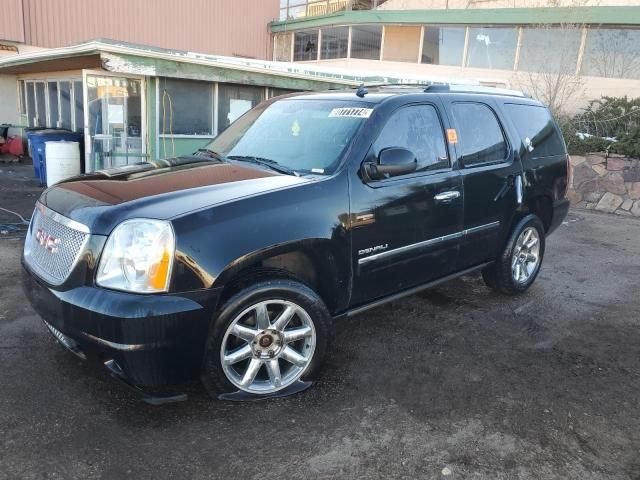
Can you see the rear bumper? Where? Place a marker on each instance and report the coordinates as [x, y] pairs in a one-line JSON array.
[[560, 210], [155, 340]]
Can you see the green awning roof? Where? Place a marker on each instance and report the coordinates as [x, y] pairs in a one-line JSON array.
[[475, 16]]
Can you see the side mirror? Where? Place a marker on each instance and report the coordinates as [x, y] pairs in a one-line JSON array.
[[392, 161]]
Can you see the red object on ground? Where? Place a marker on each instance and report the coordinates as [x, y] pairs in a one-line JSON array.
[[12, 145]]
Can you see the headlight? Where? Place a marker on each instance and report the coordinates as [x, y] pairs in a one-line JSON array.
[[138, 257]]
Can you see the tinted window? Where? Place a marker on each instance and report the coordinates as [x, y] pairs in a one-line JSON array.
[[536, 124], [480, 138], [416, 128]]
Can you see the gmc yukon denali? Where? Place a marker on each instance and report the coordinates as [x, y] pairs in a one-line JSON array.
[[231, 264]]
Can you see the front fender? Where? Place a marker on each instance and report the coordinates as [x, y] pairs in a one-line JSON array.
[[214, 244]]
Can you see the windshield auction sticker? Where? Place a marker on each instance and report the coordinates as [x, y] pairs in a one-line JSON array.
[[351, 112]]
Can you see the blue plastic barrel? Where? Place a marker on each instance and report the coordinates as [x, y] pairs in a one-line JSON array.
[[37, 140]]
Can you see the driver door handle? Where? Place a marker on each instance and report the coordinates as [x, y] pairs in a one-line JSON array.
[[443, 196]]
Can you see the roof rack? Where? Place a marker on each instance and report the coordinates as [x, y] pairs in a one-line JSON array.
[[447, 87], [434, 87]]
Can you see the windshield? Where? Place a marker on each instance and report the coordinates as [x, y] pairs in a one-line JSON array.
[[306, 136]]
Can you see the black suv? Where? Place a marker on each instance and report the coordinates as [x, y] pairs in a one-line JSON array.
[[231, 264]]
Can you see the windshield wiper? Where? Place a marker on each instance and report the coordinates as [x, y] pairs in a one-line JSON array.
[[211, 153], [272, 164]]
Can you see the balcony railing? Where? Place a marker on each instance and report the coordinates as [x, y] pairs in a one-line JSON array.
[[295, 9]]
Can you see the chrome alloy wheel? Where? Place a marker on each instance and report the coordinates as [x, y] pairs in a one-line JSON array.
[[526, 255], [268, 346]]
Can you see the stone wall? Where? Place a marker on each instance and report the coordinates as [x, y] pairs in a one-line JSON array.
[[609, 183]]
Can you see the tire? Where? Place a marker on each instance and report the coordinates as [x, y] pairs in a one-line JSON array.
[[504, 275], [236, 329]]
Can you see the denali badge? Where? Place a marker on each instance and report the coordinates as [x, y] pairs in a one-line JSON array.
[[47, 241], [375, 249]]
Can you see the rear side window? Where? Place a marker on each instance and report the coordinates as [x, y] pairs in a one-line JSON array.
[[480, 138], [416, 128], [536, 124]]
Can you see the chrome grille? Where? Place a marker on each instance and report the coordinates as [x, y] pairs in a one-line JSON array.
[[53, 261]]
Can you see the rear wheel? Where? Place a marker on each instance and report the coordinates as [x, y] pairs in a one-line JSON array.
[[266, 338], [518, 265]]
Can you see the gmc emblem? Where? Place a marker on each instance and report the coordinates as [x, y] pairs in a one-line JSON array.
[[47, 241]]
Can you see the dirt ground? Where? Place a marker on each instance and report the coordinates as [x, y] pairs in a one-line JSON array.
[[457, 382]]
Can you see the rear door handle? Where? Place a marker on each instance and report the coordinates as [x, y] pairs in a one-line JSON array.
[[443, 196]]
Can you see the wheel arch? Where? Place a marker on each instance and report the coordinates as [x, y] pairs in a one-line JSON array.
[[313, 262]]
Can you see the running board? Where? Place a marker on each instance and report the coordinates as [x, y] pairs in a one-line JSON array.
[[411, 291]]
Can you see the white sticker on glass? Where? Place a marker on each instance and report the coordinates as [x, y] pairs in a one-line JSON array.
[[351, 112]]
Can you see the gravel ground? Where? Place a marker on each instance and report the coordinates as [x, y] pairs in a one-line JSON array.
[[456, 382]]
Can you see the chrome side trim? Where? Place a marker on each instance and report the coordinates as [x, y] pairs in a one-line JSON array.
[[127, 347], [480, 228], [427, 243], [67, 222]]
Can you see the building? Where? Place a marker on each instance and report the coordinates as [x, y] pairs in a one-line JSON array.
[[132, 101], [581, 52], [236, 28]]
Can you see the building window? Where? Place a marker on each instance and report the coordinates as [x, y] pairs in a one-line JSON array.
[[234, 100], [612, 53], [185, 107], [282, 47], [295, 9], [66, 121], [366, 41], [443, 45], [41, 105], [491, 47], [401, 44], [552, 50], [21, 98], [31, 104], [78, 99], [334, 43], [54, 111], [480, 138], [305, 45]]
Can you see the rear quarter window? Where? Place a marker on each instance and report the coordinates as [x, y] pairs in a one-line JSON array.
[[535, 123]]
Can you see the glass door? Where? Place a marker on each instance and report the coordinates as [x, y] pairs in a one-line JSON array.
[[113, 132]]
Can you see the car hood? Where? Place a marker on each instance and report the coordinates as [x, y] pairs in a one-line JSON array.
[[161, 190]]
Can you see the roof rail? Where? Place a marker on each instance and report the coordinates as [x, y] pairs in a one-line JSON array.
[[449, 87]]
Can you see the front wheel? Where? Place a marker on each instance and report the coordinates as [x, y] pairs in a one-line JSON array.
[[266, 338], [518, 265]]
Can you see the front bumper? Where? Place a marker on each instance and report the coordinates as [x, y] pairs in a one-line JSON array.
[[154, 340]]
